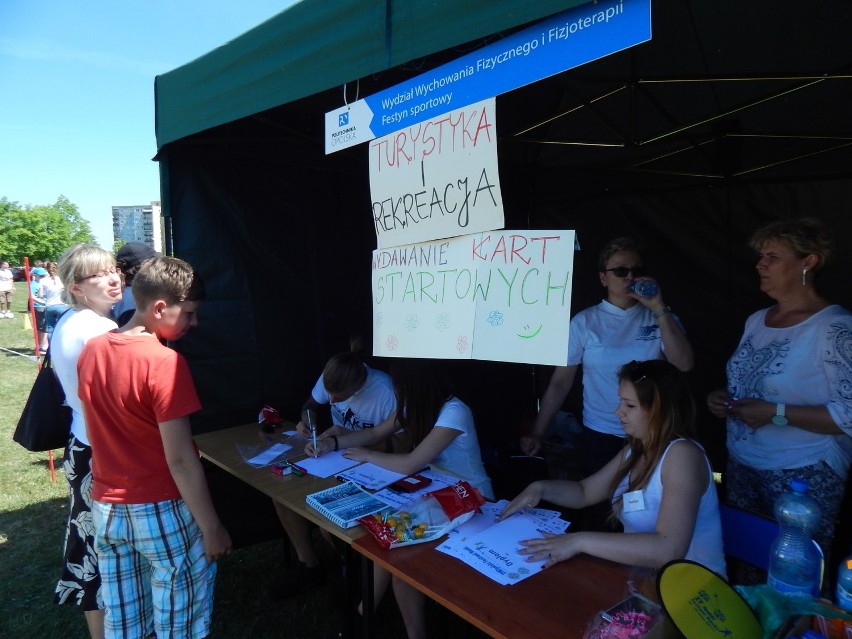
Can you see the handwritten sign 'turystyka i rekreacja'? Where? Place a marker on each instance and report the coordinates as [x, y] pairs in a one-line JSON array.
[[437, 178]]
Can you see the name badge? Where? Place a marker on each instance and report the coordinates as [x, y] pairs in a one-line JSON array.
[[633, 502]]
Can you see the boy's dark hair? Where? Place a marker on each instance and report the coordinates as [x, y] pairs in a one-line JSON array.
[[169, 279], [344, 372]]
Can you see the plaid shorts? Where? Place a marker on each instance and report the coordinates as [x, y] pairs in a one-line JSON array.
[[154, 575]]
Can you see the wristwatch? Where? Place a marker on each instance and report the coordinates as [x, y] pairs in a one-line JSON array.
[[780, 419]]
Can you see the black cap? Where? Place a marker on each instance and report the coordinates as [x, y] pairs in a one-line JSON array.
[[134, 253]]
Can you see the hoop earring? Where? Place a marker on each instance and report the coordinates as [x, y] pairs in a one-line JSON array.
[[804, 277]]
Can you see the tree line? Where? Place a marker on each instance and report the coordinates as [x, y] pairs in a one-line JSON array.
[[40, 232]]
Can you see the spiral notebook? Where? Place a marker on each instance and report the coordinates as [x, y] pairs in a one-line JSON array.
[[345, 504]]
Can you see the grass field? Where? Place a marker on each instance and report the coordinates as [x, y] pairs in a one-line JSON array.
[[33, 512]]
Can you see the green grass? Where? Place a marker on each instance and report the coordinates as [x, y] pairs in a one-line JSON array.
[[33, 512]]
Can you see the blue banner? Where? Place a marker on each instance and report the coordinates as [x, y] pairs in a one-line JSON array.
[[559, 43]]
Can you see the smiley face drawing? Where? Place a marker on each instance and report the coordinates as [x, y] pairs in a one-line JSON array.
[[528, 333]]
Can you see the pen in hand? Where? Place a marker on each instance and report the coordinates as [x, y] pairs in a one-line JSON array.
[[313, 431]]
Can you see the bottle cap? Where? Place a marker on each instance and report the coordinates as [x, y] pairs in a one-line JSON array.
[[799, 485]]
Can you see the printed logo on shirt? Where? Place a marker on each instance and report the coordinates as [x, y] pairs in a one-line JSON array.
[[649, 333], [350, 421]]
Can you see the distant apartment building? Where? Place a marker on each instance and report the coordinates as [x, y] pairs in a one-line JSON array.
[[142, 223]]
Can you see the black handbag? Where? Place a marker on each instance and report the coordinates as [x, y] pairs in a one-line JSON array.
[[45, 423]]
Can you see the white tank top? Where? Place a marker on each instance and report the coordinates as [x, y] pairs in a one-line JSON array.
[[706, 545]]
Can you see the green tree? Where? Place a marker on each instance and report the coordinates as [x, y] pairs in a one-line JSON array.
[[40, 232]]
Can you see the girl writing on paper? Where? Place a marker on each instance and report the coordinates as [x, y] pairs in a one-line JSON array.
[[660, 484], [442, 434]]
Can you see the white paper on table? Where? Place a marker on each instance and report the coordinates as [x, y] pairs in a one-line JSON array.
[[268, 456], [495, 552], [552, 525], [398, 500], [457, 538], [328, 464], [370, 476], [544, 512]]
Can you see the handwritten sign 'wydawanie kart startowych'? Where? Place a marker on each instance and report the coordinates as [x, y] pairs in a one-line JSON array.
[[498, 295]]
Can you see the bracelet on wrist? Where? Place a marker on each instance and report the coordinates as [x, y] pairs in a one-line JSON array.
[[664, 311], [336, 444]]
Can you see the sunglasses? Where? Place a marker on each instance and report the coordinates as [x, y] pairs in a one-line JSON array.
[[623, 271]]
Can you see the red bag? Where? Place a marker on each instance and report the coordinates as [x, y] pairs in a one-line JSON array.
[[425, 518]]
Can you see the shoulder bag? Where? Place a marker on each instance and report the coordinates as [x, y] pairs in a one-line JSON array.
[[45, 423]]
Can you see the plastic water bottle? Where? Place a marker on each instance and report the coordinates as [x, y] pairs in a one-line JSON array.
[[844, 584], [643, 288], [794, 560]]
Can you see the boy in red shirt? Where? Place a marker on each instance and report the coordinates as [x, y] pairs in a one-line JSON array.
[[157, 533]]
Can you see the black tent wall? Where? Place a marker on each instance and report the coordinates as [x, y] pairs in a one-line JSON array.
[[283, 236]]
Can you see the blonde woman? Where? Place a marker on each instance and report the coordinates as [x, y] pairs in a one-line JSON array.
[[92, 286]]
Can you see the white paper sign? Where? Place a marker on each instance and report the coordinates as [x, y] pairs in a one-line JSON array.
[[500, 295], [437, 178]]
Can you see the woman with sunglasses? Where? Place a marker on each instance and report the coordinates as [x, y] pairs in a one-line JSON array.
[[660, 485], [623, 327], [788, 403], [92, 286]]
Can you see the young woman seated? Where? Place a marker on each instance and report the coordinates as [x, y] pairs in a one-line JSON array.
[[660, 485], [442, 434]]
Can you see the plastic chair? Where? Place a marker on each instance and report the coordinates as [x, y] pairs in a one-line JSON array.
[[747, 536]]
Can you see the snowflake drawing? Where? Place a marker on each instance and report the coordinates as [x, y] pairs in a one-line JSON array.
[[380, 319], [462, 344], [442, 322], [411, 322], [392, 342], [495, 318]]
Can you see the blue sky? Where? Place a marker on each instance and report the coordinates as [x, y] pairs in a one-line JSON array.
[[77, 93]]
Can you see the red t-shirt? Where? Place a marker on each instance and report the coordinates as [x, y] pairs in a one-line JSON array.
[[129, 384]]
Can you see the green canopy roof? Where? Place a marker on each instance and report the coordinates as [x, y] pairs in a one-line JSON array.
[[315, 45]]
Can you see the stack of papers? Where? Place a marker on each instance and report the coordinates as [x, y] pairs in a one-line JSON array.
[[370, 476], [493, 547]]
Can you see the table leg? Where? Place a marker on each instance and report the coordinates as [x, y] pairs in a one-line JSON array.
[[350, 596], [367, 596]]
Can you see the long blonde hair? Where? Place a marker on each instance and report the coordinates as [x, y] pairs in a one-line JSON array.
[[663, 391]]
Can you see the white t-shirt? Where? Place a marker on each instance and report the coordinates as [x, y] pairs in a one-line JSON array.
[[462, 457], [51, 289], [74, 329], [7, 279], [809, 364], [603, 338], [367, 408], [706, 544]]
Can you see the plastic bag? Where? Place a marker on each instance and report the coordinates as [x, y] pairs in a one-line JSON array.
[[424, 518], [631, 618]]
